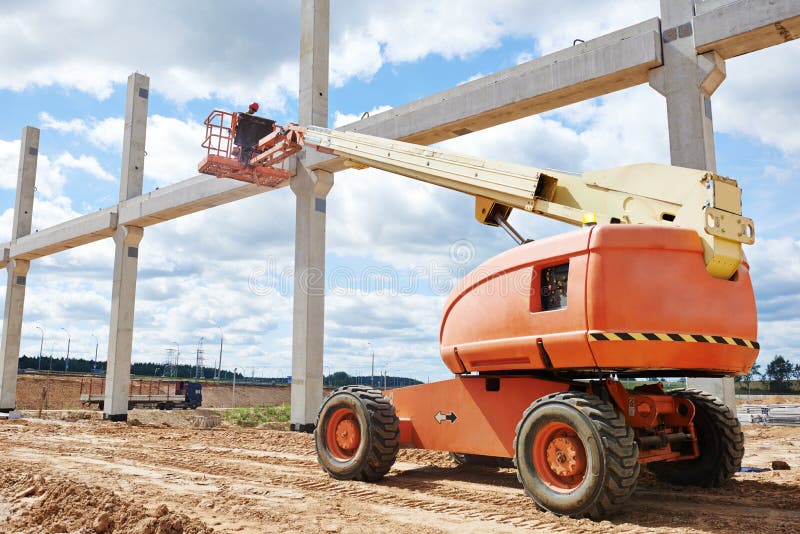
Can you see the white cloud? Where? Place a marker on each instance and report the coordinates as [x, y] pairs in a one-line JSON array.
[[758, 99], [51, 123], [173, 149], [85, 163], [172, 145], [49, 177], [188, 55], [92, 46], [9, 163], [106, 133], [399, 32]]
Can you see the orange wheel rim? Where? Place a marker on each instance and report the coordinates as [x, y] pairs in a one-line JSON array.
[[343, 434], [559, 457]]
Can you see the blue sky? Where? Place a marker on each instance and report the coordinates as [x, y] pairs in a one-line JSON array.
[[394, 246]]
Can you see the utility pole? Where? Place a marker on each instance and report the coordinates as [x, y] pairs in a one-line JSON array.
[[197, 373], [218, 373], [41, 345], [234, 386], [69, 341], [96, 346], [177, 359], [372, 373]]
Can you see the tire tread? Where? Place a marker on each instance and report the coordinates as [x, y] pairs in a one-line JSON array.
[[622, 452], [384, 433]]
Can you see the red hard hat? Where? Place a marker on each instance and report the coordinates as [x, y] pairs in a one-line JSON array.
[[254, 106]]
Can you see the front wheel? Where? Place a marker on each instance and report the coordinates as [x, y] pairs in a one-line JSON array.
[[575, 455], [357, 434]]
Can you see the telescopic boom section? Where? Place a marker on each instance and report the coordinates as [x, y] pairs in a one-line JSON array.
[[635, 194]]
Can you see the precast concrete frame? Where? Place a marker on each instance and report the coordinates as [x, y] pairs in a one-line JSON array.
[[681, 54]]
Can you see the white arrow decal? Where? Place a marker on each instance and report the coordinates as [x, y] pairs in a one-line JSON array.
[[445, 417]]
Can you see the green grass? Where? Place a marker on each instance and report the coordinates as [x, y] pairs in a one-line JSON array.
[[258, 415]]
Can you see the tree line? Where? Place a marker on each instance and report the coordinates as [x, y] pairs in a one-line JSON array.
[[189, 372], [779, 374]]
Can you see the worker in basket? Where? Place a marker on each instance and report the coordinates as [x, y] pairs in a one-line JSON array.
[[244, 153]]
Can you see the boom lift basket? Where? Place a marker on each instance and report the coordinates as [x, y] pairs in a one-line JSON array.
[[246, 148]]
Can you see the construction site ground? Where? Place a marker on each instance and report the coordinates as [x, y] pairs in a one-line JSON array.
[[156, 474]]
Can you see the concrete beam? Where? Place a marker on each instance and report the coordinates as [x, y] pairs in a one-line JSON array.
[[745, 26], [18, 269], [164, 204], [185, 197], [597, 67], [126, 253], [70, 234]]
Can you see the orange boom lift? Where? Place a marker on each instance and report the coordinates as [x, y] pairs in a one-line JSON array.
[[653, 283]]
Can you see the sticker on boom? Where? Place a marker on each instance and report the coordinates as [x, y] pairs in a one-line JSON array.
[[685, 338]]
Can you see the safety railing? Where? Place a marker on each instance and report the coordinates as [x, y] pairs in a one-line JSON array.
[[219, 138]]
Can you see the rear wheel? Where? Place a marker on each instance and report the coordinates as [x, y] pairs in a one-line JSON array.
[[357, 434], [575, 455], [719, 438]]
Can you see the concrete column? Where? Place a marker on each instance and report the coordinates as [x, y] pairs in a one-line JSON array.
[[687, 80], [126, 254], [18, 269], [314, 36], [311, 190]]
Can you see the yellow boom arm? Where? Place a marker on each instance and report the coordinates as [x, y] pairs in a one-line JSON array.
[[644, 193]]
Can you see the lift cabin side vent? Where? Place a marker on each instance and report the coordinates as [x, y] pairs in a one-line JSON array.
[[553, 287]]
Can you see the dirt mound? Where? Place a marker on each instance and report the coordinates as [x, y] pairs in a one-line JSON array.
[[57, 504], [48, 392], [163, 418]]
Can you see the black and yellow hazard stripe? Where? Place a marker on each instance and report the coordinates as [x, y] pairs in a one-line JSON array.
[[682, 338]]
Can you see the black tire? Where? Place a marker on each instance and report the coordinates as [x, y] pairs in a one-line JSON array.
[[721, 443], [604, 443], [374, 451], [479, 459], [169, 406]]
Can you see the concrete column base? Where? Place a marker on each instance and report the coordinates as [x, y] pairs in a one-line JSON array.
[[300, 427], [115, 418], [12, 332], [722, 388], [120, 337]]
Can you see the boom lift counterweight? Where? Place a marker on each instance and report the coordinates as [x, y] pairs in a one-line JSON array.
[[658, 287]]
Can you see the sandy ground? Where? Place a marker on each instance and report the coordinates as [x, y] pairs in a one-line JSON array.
[[94, 476]]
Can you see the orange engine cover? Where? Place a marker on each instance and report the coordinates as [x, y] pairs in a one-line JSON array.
[[630, 299]]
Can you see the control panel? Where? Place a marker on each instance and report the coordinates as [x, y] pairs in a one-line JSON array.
[[554, 287]]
